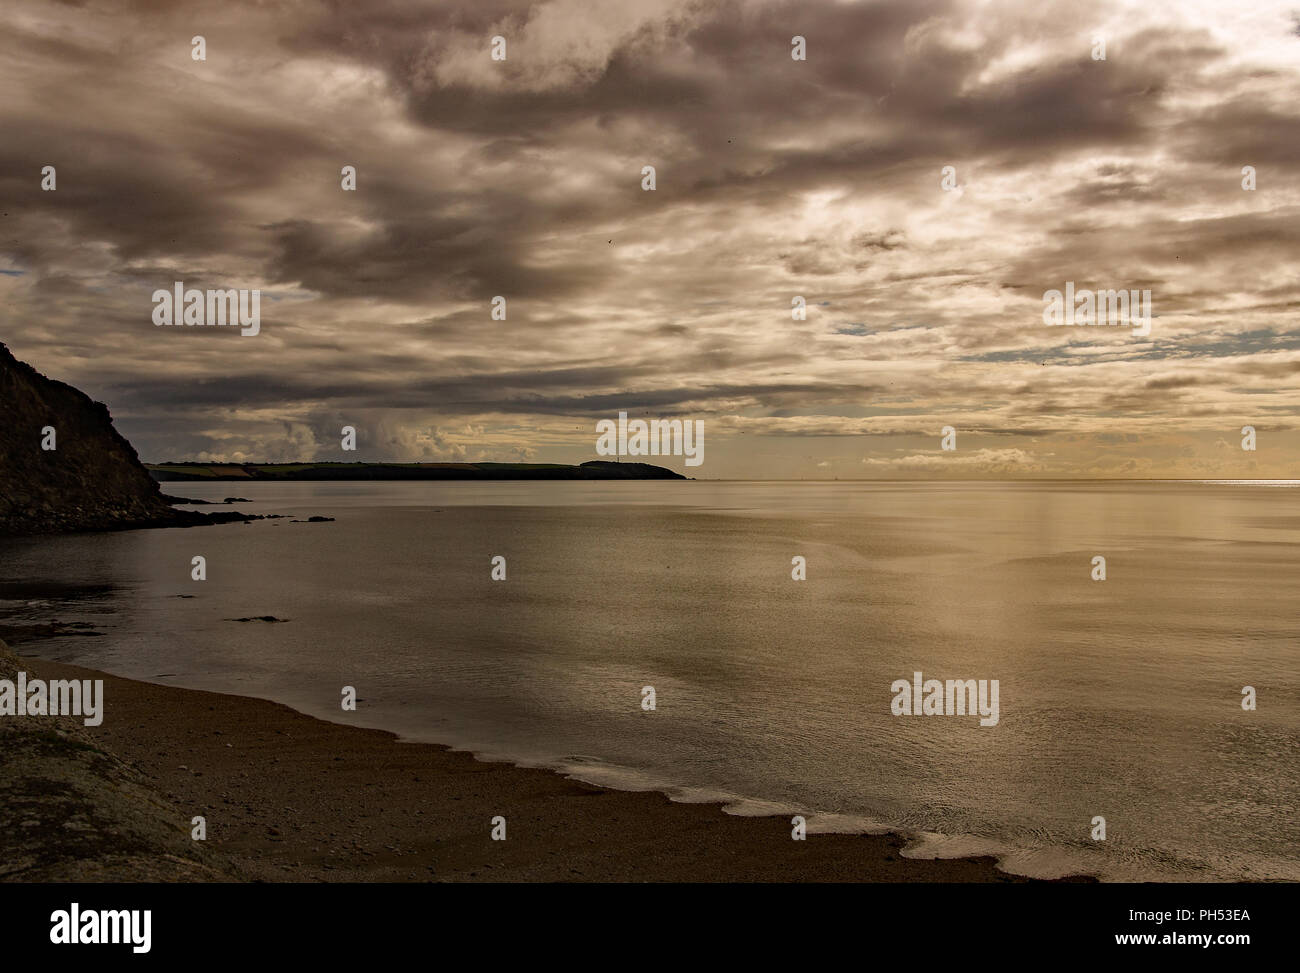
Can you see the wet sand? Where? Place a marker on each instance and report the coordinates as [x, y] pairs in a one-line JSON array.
[[288, 797]]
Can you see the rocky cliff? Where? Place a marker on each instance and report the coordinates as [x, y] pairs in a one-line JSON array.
[[91, 480]]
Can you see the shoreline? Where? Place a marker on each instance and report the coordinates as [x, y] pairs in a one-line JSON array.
[[175, 520], [290, 797]]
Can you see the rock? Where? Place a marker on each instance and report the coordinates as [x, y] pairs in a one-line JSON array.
[[72, 811], [91, 480]]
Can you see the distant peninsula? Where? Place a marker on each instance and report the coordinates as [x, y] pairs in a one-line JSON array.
[[592, 470]]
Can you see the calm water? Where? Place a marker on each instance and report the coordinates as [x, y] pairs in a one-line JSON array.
[[1119, 699]]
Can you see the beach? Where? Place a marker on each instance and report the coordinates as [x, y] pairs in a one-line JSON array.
[[291, 798]]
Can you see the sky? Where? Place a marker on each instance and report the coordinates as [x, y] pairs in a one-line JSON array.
[[822, 178]]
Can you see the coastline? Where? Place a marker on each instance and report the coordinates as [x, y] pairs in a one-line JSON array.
[[289, 797], [173, 519]]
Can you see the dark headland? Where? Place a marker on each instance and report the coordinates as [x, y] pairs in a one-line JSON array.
[[63, 467]]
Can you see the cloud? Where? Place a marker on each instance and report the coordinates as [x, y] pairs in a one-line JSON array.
[[775, 178], [984, 461]]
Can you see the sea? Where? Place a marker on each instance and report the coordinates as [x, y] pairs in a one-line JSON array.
[[1161, 703]]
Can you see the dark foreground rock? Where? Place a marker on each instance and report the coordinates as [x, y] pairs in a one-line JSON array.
[[70, 810]]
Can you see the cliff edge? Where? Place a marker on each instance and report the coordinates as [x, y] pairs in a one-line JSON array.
[[91, 480]]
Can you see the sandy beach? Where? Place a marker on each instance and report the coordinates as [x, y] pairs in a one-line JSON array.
[[288, 797]]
